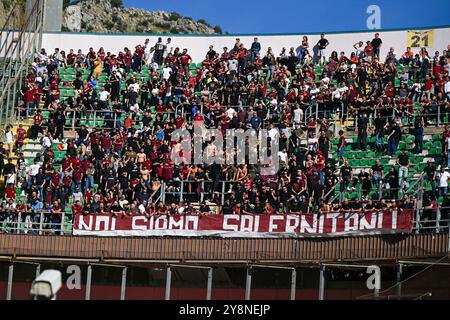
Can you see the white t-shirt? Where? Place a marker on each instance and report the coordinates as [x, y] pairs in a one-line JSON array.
[[298, 115], [443, 178], [232, 65], [9, 137], [230, 112], [336, 94], [103, 95], [166, 73], [447, 87], [283, 156], [273, 133], [77, 196], [34, 169], [46, 142], [169, 48]]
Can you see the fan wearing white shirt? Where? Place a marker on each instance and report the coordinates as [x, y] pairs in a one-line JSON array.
[[298, 115], [447, 88], [168, 49], [443, 175], [167, 70], [230, 112], [273, 132], [103, 98]]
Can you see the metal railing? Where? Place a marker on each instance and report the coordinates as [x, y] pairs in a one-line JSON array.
[[17, 49], [37, 223], [425, 220]]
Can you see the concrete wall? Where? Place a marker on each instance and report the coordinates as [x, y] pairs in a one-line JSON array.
[[197, 45]]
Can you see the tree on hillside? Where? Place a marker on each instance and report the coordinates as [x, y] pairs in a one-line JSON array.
[[116, 3]]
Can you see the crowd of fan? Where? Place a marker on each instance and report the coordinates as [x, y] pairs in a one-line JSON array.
[[119, 168]]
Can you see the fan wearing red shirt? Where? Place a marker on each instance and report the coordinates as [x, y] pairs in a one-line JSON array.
[[71, 58], [28, 99], [428, 86], [55, 179], [127, 60], [20, 137], [37, 123], [77, 208], [185, 59], [21, 207], [137, 59], [10, 192]]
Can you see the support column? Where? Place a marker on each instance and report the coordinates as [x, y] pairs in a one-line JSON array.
[[10, 280], [293, 283], [88, 283], [168, 282], [322, 282], [399, 280], [209, 284], [248, 283], [123, 284]]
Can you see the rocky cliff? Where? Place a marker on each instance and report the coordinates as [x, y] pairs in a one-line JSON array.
[[110, 16], [106, 16]]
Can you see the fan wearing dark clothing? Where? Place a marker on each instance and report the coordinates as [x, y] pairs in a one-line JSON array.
[[392, 178], [362, 131]]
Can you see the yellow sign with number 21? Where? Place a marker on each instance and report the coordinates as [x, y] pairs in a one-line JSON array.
[[421, 39]]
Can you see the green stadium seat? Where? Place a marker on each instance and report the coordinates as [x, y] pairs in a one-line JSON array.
[[437, 144]]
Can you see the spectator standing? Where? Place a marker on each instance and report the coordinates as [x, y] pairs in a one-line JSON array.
[[185, 60], [376, 44], [429, 174], [403, 163], [9, 140], [419, 122], [322, 45], [443, 176], [255, 49], [363, 124], [159, 51]]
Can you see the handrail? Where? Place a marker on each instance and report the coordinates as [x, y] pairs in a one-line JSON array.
[[22, 223], [25, 47]]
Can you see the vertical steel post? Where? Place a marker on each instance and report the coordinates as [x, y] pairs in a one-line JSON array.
[[41, 222], [88, 282], [124, 283], [438, 218], [322, 282], [181, 190], [19, 220], [248, 283], [38, 270], [168, 282], [293, 283], [209, 284], [222, 196], [399, 280], [63, 217], [10, 280]]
